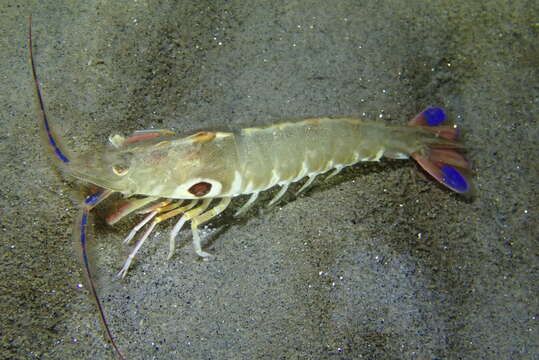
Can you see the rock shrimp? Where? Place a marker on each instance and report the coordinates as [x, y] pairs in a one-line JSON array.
[[165, 175]]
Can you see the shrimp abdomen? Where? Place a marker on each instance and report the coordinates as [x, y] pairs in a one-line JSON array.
[[287, 152]]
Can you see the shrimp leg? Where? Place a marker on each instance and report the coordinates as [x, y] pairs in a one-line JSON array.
[[172, 209], [153, 211], [208, 215], [185, 217], [247, 205], [279, 194], [128, 208], [306, 185], [335, 172]]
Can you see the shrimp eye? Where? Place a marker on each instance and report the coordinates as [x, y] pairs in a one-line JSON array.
[[121, 167], [200, 189]]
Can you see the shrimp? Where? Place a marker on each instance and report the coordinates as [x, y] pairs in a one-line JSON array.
[[194, 178], [209, 166]]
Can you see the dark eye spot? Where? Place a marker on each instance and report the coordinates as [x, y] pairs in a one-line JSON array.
[[200, 189]]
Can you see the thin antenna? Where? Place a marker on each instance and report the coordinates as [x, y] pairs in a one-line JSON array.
[[52, 139], [88, 204]]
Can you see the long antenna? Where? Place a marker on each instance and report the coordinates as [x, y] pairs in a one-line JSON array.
[[89, 202], [51, 138]]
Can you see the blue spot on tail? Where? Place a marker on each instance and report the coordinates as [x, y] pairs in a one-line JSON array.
[[454, 179], [434, 116]]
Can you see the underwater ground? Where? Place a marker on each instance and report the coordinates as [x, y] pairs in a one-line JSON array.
[[379, 262]]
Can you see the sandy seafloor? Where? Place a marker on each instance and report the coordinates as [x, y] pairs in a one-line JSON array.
[[378, 263]]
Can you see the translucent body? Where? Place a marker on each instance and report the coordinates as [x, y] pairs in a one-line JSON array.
[[285, 153], [248, 161], [207, 165]]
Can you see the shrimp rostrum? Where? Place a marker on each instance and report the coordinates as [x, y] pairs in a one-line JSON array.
[[194, 178]]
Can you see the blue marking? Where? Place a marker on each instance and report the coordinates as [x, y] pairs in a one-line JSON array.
[[454, 179], [47, 128], [434, 116], [51, 140], [92, 199], [83, 221], [57, 150], [61, 156]]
